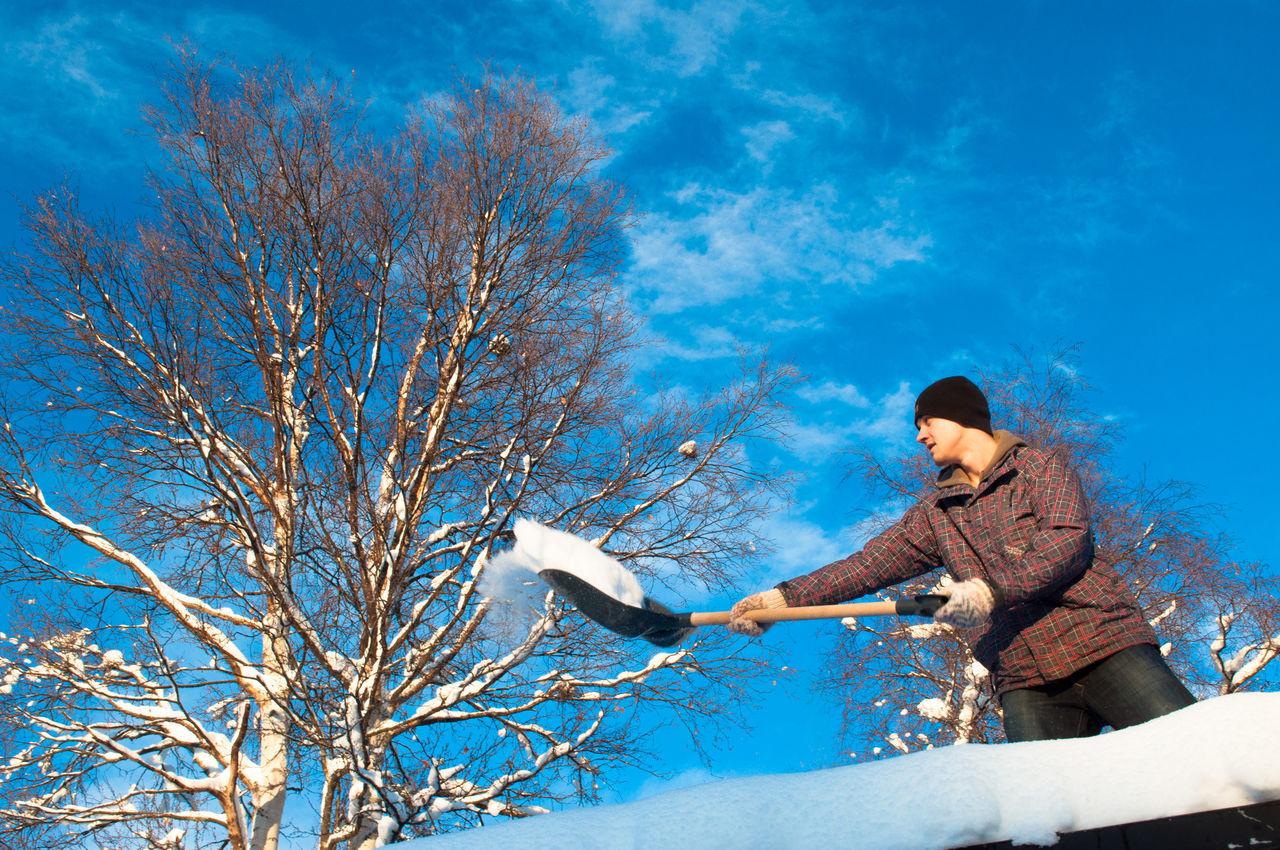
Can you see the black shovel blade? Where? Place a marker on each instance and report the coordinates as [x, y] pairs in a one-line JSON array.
[[655, 622]]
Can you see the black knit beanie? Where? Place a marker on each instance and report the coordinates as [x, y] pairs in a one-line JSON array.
[[956, 398]]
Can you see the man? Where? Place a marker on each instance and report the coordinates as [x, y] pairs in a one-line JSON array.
[[1065, 641]]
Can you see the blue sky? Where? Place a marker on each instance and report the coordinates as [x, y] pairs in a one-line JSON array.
[[881, 193]]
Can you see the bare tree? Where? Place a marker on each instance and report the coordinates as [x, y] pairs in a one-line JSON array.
[[910, 686], [258, 446]]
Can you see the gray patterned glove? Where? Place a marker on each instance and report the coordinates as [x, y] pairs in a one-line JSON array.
[[970, 604], [739, 624]]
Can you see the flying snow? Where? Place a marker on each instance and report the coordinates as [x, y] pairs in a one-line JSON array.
[[507, 575]]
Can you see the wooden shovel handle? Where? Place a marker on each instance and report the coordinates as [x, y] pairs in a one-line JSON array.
[[921, 605]]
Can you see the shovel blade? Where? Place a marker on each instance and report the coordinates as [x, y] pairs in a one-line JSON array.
[[654, 622]]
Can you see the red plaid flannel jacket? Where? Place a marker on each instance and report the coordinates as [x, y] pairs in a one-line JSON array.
[[1058, 610]]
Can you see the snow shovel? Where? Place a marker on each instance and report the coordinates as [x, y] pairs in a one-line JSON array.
[[659, 625]]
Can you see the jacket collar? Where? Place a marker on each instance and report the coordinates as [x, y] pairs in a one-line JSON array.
[[1006, 442]]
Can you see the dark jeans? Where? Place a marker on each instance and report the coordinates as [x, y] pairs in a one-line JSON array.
[[1132, 686]]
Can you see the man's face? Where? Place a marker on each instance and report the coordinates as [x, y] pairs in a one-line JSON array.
[[941, 438]]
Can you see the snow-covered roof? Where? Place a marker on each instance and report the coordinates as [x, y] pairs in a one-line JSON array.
[[1216, 754]]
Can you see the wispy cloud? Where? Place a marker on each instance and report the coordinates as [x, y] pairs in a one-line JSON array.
[[829, 391], [799, 545], [684, 41], [815, 443], [63, 51], [763, 138], [719, 244], [593, 93], [884, 422], [74, 81], [257, 39], [704, 342], [814, 106], [892, 419]]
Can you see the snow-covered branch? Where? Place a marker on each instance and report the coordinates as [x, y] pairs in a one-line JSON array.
[[1246, 662]]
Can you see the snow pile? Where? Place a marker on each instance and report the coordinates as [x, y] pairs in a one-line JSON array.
[[539, 548], [1215, 754]]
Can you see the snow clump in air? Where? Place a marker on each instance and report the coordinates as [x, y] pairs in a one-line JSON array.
[[512, 576]]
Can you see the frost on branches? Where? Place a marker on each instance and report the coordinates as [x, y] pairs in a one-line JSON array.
[[259, 446]]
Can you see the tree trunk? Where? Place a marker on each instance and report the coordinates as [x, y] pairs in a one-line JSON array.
[[273, 725]]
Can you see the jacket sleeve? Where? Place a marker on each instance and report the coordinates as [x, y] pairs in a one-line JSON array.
[[1061, 548], [906, 549]]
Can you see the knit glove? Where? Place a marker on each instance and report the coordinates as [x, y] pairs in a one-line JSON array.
[[970, 604], [739, 624]]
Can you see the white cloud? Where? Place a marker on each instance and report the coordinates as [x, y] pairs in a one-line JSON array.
[[817, 442], [62, 51], [831, 391], [73, 83], [593, 94], [777, 325], [888, 422], [682, 41], [893, 416], [799, 546], [762, 138], [811, 105], [255, 38], [76, 81], [709, 343], [722, 244]]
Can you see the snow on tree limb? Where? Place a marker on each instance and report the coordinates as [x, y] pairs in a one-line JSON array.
[[1249, 659]]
